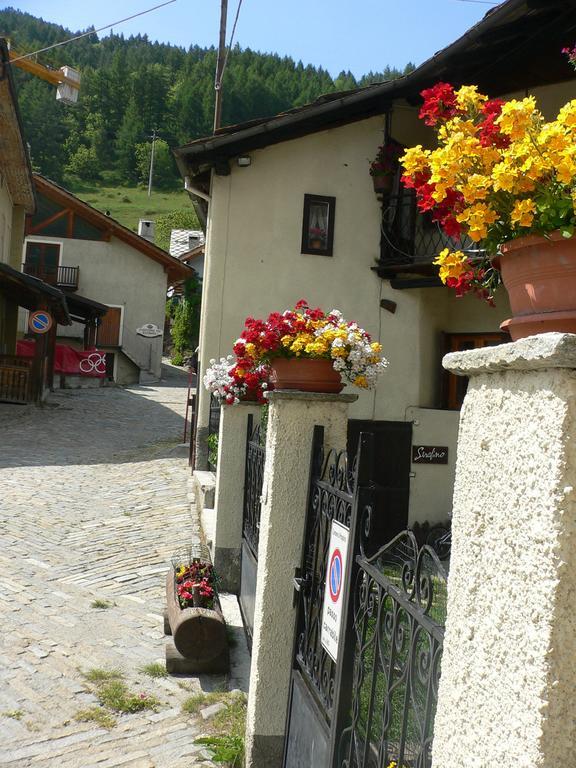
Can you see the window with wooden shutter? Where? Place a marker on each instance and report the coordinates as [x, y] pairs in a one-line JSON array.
[[454, 387]]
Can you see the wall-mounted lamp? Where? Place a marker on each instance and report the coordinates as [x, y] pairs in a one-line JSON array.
[[244, 161]]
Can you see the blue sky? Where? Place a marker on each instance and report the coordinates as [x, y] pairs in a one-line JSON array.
[[336, 34]]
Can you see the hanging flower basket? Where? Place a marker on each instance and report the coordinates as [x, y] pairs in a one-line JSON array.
[[305, 374], [383, 183], [539, 274]]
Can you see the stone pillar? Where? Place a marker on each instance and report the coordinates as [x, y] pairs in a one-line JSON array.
[[508, 679], [291, 422], [228, 504]]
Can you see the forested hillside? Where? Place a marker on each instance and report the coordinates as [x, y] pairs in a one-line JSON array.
[[131, 86]]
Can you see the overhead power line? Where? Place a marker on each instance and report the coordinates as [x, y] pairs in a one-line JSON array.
[[230, 43], [93, 31]]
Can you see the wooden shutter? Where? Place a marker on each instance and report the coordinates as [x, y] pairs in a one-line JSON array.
[[109, 328]]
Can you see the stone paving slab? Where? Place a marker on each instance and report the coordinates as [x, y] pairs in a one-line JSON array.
[[93, 504]]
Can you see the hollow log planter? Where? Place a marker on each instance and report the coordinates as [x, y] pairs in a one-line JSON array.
[[199, 642]]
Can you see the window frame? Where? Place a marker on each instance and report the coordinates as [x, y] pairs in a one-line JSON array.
[[454, 387], [309, 200]]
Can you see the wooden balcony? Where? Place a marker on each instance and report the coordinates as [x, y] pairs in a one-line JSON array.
[[65, 278]]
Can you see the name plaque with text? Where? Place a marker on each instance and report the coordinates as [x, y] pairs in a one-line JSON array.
[[429, 454]]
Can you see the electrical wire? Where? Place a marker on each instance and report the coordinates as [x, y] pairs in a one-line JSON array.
[[219, 85], [91, 32], [478, 2]]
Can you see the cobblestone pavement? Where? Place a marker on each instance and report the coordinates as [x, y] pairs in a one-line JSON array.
[[93, 503]]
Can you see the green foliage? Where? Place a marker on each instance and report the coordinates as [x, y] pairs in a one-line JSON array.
[[226, 749], [99, 675], [212, 442], [102, 604], [163, 172], [97, 715], [227, 740], [114, 695], [84, 164], [186, 324], [155, 669], [182, 219], [131, 86]]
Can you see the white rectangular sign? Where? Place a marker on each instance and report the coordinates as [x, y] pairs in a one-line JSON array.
[[334, 591]]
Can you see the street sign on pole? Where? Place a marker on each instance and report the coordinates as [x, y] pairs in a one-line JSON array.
[[40, 321], [333, 595]]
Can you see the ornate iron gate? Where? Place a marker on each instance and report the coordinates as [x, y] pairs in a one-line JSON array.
[[375, 705], [254, 475]]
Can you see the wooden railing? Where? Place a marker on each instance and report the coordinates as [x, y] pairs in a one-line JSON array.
[[14, 379], [62, 277]]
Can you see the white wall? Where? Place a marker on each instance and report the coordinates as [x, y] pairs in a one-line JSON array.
[[254, 264], [117, 274]]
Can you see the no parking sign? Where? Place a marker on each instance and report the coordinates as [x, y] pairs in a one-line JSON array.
[[40, 321], [333, 594]]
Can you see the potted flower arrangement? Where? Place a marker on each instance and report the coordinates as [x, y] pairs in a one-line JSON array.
[[310, 350], [505, 178], [317, 237], [230, 383], [385, 165], [194, 617]]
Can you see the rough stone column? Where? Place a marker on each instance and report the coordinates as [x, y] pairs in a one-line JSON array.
[[508, 681], [291, 422], [229, 491]]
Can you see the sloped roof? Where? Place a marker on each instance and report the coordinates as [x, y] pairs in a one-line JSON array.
[[516, 45], [174, 267]]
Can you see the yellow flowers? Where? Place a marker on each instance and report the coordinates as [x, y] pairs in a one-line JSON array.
[[523, 213], [517, 117], [477, 218], [452, 264], [467, 96]]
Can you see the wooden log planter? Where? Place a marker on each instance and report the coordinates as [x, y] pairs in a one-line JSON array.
[[199, 642]]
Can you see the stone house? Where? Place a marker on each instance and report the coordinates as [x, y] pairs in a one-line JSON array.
[[97, 261], [263, 186]]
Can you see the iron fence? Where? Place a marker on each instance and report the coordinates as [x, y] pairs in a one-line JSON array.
[[399, 611], [254, 476]]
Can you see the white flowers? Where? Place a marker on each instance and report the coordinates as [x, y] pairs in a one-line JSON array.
[[219, 382]]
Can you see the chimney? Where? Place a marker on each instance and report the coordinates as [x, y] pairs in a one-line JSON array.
[[146, 229]]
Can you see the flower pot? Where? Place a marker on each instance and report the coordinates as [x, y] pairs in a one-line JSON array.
[[305, 374], [199, 634], [383, 183], [540, 276]]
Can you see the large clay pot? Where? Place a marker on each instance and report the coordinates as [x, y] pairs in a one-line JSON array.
[[305, 374], [540, 276]]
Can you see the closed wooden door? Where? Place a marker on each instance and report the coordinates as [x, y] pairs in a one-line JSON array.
[[109, 328]]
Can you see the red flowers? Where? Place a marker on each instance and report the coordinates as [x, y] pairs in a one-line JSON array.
[[439, 103], [195, 584]]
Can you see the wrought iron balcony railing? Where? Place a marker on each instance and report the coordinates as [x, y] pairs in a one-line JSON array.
[[61, 277], [410, 241]]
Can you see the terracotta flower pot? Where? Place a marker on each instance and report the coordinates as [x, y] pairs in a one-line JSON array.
[[305, 374], [540, 277]]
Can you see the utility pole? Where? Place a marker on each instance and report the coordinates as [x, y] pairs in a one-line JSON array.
[[151, 163], [220, 65]]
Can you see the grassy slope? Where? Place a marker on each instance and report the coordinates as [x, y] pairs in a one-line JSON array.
[[129, 204]]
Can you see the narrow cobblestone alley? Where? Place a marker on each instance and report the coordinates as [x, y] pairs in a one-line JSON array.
[[93, 504]]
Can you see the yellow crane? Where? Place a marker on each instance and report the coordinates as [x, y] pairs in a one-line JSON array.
[[66, 79]]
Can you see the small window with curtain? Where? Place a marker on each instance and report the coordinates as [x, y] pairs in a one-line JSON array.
[[318, 225]]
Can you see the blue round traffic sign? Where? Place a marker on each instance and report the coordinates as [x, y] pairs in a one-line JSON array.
[[335, 575], [40, 321]]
